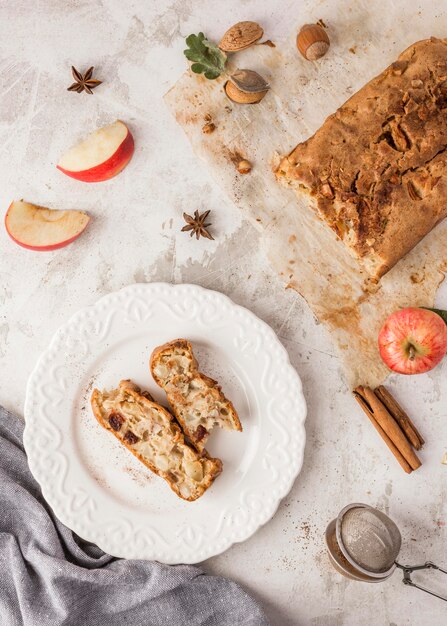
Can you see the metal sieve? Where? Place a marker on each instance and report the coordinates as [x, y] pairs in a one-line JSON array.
[[364, 543]]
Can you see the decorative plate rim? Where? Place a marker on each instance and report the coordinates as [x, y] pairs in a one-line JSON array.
[[59, 501]]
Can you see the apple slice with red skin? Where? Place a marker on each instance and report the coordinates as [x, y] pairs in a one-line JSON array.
[[102, 155], [38, 228], [413, 340]]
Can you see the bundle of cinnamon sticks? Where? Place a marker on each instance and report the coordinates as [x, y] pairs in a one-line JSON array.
[[393, 425]]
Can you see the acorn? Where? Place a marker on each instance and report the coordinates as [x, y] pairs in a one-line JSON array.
[[312, 41]]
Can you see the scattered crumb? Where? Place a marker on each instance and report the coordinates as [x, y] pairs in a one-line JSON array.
[[207, 117], [288, 564], [235, 157], [444, 459], [268, 43], [87, 393], [305, 529], [139, 476], [417, 277], [208, 128], [321, 23], [353, 49]]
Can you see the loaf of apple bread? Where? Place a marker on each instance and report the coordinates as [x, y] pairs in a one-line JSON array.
[[151, 433], [376, 170], [195, 399]]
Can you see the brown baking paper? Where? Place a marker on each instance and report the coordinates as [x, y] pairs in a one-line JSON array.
[[303, 250]]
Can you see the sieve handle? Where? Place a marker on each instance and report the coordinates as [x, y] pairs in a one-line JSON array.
[[409, 569]]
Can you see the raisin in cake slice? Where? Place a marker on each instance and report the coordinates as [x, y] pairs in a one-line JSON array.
[[150, 432], [196, 400]]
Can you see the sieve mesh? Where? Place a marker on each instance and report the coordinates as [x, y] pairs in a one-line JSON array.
[[371, 538]]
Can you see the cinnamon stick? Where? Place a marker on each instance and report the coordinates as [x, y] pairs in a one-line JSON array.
[[412, 433], [389, 425], [400, 459]]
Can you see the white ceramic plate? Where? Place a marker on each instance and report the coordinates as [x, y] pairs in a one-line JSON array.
[[98, 488]]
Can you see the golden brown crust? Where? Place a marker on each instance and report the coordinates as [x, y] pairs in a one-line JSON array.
[[126, 412], [376, 170], [195, 399]]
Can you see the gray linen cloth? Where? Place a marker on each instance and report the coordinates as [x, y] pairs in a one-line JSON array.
[[50, 577]]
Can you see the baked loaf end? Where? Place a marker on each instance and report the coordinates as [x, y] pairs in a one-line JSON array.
[[196, 400], [376, 170], [150, 432]]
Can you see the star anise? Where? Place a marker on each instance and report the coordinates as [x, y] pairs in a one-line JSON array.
[[197, 224], [83, 82]]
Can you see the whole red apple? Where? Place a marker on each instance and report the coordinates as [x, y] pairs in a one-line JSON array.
[[413, 341]]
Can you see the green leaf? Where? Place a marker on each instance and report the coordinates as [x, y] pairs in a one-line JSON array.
[[439, 312], [207, 58], [216, 55], [212, 74], [198, 68]]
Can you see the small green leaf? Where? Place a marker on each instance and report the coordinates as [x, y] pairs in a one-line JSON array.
[[207, 58], [439, 312], [197, 68], [212, 74]]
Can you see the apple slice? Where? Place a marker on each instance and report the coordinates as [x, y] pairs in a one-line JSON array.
[[37, 228], [101, 156]]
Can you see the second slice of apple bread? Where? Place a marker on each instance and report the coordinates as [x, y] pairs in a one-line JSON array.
[[195, 399]]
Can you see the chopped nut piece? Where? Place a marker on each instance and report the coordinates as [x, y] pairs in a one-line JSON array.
[[208, 128], [398, 67], [244, 167], [326, 190], [412, 191]]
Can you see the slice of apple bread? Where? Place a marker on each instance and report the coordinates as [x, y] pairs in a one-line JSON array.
[[196, 400], [151, 433]]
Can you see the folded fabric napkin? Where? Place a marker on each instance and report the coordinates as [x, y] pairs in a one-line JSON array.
[[50, 577]]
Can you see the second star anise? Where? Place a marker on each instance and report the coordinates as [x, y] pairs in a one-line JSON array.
[[83, 82], [197, 224]]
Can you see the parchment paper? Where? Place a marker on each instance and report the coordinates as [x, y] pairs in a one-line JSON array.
[[303, 250]]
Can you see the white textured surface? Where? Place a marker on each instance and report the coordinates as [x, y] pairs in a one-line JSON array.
[[137, 48], [86, 476]]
